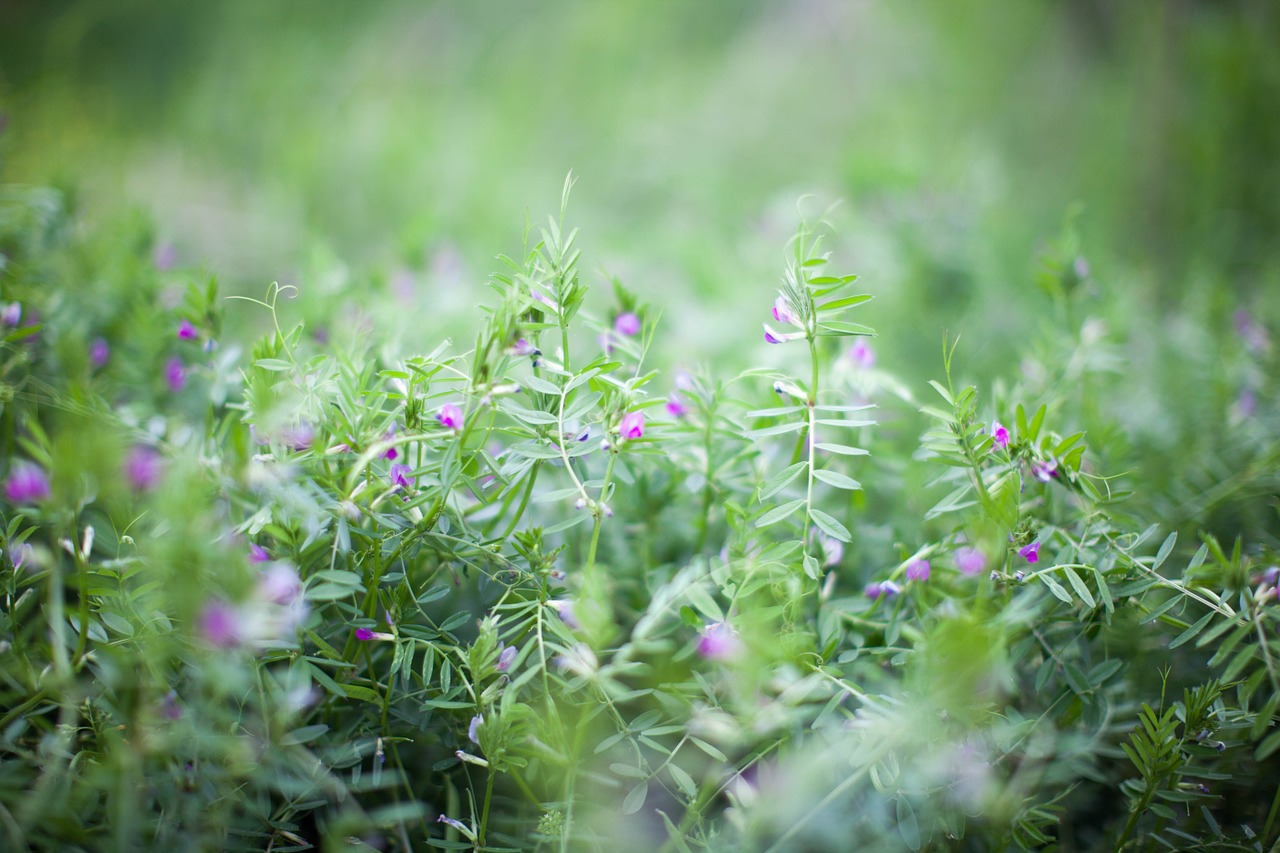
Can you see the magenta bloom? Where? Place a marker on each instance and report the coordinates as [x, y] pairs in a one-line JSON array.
[[626, 324], [523, 347], [719, 642], [279, 584], [1044, 471], [772, 337], [999, 434], [861, 354], [298, 436], [364, 634], [918, 570], [399, 475], [632, 425], [175, 374], [1030, 553], [887, 589], [450, 416], [142, 469], [99, 352], [970, 561], [164, 256], [11, 313], [220, 625], [676, 407], [186, 331], [783, 313], [258, 554], [27, 484]]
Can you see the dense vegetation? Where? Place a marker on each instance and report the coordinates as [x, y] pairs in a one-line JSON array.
[[571, 552]]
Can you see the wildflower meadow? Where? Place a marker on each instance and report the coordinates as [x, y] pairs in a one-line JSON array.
[[529, 548]]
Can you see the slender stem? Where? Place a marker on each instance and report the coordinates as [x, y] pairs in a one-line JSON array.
[[488, 799], [599, 511], [811, 437]]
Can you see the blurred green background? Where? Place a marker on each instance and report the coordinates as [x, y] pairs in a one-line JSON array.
[[379, 155]]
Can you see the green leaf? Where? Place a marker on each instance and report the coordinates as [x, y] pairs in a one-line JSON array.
[[829, 525], [1079, 586], [834, 478], [683, 780], [635, 798], [842, 449], [1056, 588], [776, 429], [779, 481], [1192, 631], [778, 513], [846, 302], [306, 734], [908, 828], [1165, 550]]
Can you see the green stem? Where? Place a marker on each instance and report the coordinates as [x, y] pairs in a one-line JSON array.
[[599, 510], [488, 799]]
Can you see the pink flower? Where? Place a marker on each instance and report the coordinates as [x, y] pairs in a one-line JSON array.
[[279, 584], [142, 469], [523, 347], [719, 642], [450, 416], [861, 354], [783, 312], [632, 425], [175, 374], [399, 475], [772, 337], [1044, 471], [999, 434], [506, 658], [1030, 553], [676, 407], [565, 609], [99, 352], [626, 324], [11, 313], [918, 570], [258, 554], [27, 484], [970, 561], [186, 331], [220, 625], [888, 589], [364, 634]]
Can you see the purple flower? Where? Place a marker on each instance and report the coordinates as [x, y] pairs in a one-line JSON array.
[[970, 561], [605, 340], [676, 407], [220, 625], [861, 354], [279, 584], [391, 453], [1252, 333], [918, 570], [523, 347], [473, 730], [399, 475], [999, 434], [11, 313], [506, 658], [99, 352], [626, 324], [164, 256], [175, 374], [298, 436], [1044, 471], [719, 642], [539, 296], [888, 589], [142, 469], [565, 609], [364, 634], [772, 337], [258, 554], [169, 706], [186, 331], [450, 416], [27, 484], [1030, 553], [632, 425], [19, 554], [783, 312]]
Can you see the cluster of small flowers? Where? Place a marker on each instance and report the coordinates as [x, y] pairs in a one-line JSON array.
[[270, 617]]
